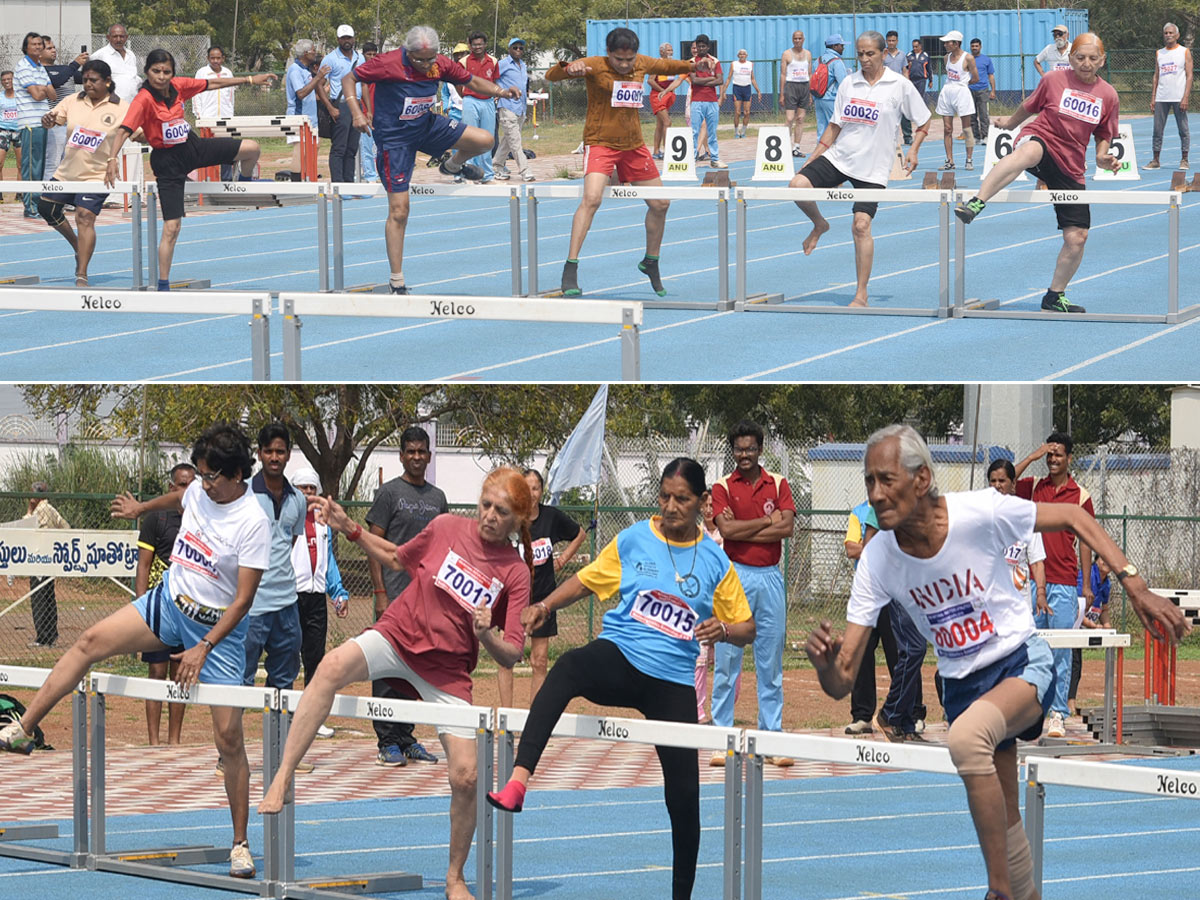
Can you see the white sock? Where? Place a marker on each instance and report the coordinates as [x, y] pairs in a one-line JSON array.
[[396, 279], [451, 167]]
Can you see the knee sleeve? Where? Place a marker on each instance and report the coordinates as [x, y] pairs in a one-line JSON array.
[[53, 213], [969, 137], [1020, 865], [974, 737]]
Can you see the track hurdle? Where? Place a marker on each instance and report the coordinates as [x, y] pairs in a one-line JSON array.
[[131, 189], [372, 708], [638, 731], [1098, 776], [168, 864], [875, 754], [719, 195], [1114, 645], [774, 302], [264, 126], [625, 313], [12, 835], [511, 193], [256, 306], [988, 308]]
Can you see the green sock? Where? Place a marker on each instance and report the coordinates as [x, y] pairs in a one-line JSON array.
[[649, 266], [570, 278]]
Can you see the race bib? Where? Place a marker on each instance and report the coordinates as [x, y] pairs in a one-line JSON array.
[[466, 584], [415, 107], [666, 613], [10, 114], [863, 112], [627, 94], [1082, 106], [1167, 68], [960, 630], [798, 71], [86, 139], [175, 132], [954, 74], [1061, 65], [1015, 557], [195, 554], [543, 551]]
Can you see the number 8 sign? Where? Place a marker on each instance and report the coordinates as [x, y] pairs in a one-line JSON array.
[[1000, 143]]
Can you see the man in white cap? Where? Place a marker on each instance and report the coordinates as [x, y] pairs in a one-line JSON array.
[[1057, 54], [955, 97], [344, 148], [835, 45]]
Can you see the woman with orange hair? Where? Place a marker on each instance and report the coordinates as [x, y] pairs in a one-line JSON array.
[[1072, 106], [466, 582]]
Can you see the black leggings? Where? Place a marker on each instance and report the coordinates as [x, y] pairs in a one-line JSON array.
[[600, 673]]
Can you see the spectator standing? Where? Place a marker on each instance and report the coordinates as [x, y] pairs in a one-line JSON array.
[[982, 90], [920, 69], [861, 526], [796, 66], [343, 148], [479, 109], [61, 79], [754, 511], [452, 99], [1095, 614], [705, 108], [10, 132], [122, 61], [303, 87], [835, 45], [43, 604], [401, 510], [1063, 564], [218, 103], [741, 79], [511, 113], [156, 542], [1056, 54], [317, 577], [366, 139], [31, 83], [1171, 88], [662, 98], [897, 61]]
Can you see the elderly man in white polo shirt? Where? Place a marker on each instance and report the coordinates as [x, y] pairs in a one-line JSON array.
[[1056, 54], [216, 104], [858, 146], [122, 61]]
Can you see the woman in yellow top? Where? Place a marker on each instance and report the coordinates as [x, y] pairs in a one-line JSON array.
[[676, 591]]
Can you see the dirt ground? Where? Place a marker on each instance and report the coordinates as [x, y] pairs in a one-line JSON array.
[[806, 706]]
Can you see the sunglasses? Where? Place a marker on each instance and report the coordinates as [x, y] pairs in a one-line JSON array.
[[1058, 32]]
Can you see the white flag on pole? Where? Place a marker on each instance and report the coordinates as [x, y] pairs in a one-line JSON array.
[[578, 463]]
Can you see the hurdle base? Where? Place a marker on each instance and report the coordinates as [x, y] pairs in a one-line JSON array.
[[190, 855], [180, 284], [760, 298], [781, 306], [110, 863], [28, 832], [19, 279], [379, 287], [709, 305], [977, 303], [335, 886]]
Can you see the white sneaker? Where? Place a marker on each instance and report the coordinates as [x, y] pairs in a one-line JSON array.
[[718, 760], [241, 863], [919, 726], [324, 731], [1057, 728], [717, 164], [859, 726]]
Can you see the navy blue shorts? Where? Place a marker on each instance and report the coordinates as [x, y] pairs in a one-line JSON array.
[[741, 92], [1032, 662], [93, 203], [395, 161]]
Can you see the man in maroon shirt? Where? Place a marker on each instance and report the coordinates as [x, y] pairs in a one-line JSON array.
[[478, 109], [1062, 563]]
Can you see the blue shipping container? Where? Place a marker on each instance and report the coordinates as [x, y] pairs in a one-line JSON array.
[[1004, 33]]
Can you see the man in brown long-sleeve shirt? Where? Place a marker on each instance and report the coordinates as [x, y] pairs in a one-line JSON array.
[[612, 137]]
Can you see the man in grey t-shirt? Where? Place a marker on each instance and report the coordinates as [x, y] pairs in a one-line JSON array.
[[402, 508]]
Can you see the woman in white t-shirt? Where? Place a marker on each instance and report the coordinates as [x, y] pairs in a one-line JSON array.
[[741, 76], [942, 558], [220, 553]]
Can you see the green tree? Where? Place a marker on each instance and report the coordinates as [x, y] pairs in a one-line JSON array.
[[1135, 416]]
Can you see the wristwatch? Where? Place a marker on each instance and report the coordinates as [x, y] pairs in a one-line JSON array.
[[1128, 572]]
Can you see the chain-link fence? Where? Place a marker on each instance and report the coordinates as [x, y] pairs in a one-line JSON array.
[[1146, 502]]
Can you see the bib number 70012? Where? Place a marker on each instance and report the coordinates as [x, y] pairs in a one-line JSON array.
[[466, 584]]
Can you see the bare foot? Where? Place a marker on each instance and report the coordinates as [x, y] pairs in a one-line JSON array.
[[810, 242], [273, 801], [859, 300], [457, 890]]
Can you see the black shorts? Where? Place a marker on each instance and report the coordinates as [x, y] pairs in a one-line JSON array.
[[53, 206], [549, 628], [171, 166], [160, 656], [821, 173], [1076, 215]]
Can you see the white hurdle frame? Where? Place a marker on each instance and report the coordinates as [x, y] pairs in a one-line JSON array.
[[876, 754], [1170, 199], [255, 305], [774, 302], [627, 314], [637, 731], [132, 188], [511, 193], [76, 858], [719, 195], [1096, 776], [376, 709], [1113, 643], [160, 864]]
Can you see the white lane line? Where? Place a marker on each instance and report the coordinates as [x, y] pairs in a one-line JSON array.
[[115, 335]]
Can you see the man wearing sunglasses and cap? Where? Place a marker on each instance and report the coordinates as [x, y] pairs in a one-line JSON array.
[[511, 113], [1055, 55]]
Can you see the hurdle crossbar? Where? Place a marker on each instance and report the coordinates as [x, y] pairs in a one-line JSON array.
[[720, 196], [166, 864], [1114, 645], [11, 836], [96, 300], [988, 308], [766, 302], [627, 314], [511, 193], [637, 731], [386, 710], [1098, 776]]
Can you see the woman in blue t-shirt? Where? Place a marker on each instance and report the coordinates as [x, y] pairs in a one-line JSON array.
[[675, 590]]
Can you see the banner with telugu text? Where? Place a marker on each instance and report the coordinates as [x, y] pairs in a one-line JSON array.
[[74, 553]]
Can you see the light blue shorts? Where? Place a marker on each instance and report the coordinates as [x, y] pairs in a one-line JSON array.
[[175, 629], [1032, 662]]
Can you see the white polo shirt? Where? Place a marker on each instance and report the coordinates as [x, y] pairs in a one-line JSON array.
[[213, 104], [869, 115], [125, 73]]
